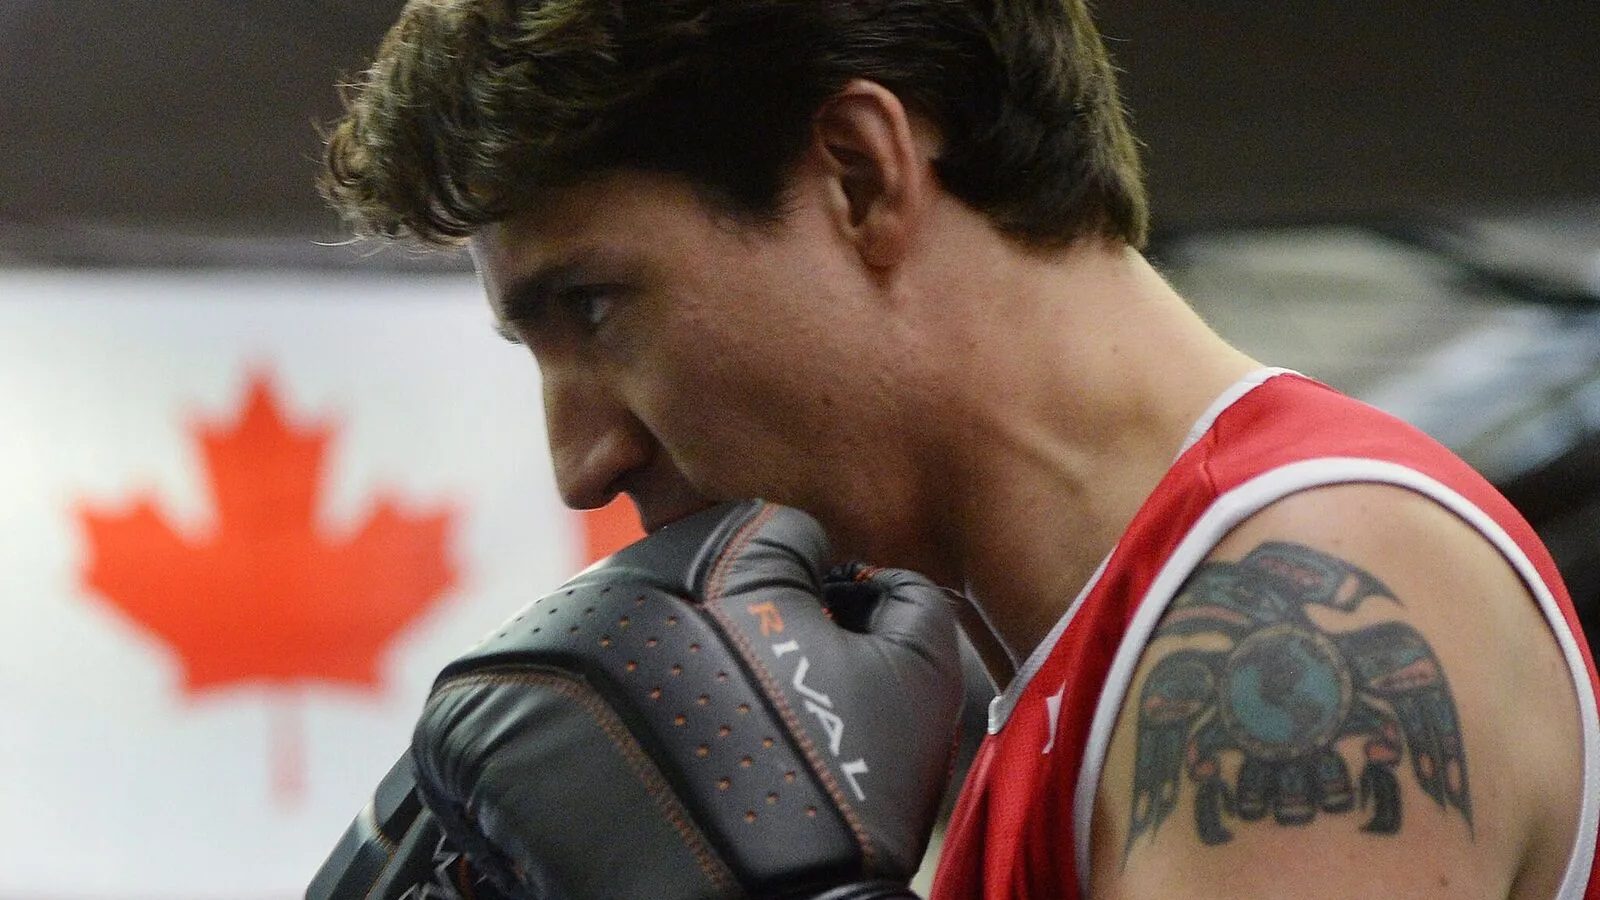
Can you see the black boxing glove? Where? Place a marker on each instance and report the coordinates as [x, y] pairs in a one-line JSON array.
[[686, 720], [395, 850]]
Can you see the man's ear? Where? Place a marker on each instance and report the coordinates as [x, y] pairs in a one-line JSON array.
[[880, 177]]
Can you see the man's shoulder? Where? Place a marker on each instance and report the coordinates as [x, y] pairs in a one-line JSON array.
[[1354, 671], [1289, 418]]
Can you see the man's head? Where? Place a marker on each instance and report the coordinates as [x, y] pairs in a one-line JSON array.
[[727, 230], [473, 106]]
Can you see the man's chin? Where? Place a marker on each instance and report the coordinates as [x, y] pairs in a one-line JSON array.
[[654, 520]]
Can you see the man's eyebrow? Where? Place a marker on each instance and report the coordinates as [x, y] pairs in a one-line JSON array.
[[526, 297]]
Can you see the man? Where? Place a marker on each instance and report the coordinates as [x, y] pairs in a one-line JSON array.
[[879, 261]]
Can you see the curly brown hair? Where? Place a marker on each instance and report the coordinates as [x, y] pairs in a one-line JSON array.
[[472, 106]]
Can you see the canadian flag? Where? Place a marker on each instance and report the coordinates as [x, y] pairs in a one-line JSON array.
[[247, 516]]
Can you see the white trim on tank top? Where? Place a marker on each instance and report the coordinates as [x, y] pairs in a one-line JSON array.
[[1245, 501]]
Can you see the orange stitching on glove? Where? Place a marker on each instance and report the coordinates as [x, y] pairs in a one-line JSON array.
[[654, 783], [464, 879], [714, 593], [389, 844], [385, 843]]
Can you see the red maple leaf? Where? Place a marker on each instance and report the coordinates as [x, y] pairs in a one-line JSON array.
[[609, 528], [267, 594]]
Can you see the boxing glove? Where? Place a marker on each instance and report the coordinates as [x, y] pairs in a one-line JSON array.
[[705, 714], [395, 850]]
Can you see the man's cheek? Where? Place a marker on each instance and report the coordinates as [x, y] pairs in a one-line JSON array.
[[730, 460]]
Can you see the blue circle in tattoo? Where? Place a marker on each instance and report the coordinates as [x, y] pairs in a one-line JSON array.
[[1286, 692]]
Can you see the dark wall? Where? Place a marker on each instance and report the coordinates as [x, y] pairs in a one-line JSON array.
[[1296, 110], [198, 115]]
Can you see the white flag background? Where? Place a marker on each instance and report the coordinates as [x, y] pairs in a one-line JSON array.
[[117, 778]]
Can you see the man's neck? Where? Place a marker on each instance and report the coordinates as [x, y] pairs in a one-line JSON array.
[[1065, 435]]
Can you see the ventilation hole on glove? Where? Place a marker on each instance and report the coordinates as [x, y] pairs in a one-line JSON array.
[[588, 611], [605, 590], [746, 762], [639, 600], [702, 700], [552, 610], [749, 815], [766, 743], [724, 783], [519, 618], [772, 799], [724, 731], [655, 693], [694, 648], [651, 642], [702, 751], [572, 630], [624, 622], [722, 676], [744, 709], [536, 629], [632, 666], [672, 620], [605, 640], [570, 590], [501, 634], [811, 812], [680, 720], [788, 777], [677, 669]]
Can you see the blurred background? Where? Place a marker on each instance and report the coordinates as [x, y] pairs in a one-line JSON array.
[[259, 483]]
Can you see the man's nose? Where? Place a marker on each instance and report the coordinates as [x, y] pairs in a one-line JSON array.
[[594, 440]]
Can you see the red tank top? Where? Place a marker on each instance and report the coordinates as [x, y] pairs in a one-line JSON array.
[[1021, 827]]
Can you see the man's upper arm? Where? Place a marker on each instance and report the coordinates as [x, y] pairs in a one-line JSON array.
[[1334, 705]]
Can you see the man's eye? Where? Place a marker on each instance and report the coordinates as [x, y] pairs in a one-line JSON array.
[[590, 305]]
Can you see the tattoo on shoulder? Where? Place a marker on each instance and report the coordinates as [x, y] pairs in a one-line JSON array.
[[1263, 724]]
